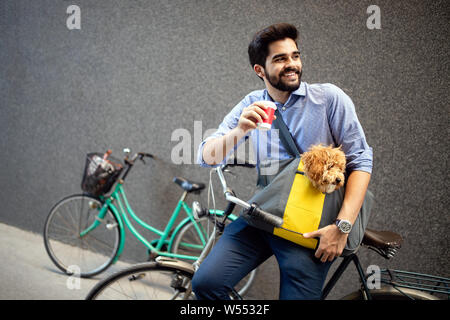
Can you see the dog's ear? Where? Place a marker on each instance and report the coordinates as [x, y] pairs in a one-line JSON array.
[[306, 158], [339, 157], [313, 163]]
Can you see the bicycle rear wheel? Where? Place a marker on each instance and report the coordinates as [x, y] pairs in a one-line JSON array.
[[190, 241], [145, 281], [391, 293], [72, 253]]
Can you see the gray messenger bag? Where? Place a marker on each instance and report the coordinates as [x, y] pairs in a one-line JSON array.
[[289, 194]]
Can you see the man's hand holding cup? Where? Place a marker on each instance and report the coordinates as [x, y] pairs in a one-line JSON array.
[[259, 115]]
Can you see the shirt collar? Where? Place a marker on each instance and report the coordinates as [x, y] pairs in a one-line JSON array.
[[301, 91]]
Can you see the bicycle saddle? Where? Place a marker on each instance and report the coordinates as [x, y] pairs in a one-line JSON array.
[[386, 242], [189, 186]]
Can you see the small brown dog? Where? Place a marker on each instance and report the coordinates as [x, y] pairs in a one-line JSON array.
[[325, 167]]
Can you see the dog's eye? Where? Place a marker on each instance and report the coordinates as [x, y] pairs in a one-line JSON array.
[[330, 166]]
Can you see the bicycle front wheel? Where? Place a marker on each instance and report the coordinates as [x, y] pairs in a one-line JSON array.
[[191, 239], [145, 281], [73, 253]]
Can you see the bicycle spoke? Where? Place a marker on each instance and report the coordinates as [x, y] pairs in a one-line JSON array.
[[101, 242], [144, 282], [74, 235], [92, 252], [64, 219], [72, 219], [122, 292]]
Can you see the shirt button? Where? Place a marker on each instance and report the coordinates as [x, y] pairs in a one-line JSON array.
[[284, 108]]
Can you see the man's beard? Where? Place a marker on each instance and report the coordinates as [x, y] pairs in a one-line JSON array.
[[280, 84]]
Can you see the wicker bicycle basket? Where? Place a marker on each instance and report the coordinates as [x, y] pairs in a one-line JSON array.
[[100, 175]]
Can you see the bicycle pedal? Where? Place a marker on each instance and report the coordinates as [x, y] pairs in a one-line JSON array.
[[177, 283], [136, 277]]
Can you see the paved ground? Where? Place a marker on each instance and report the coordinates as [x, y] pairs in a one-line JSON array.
[[26, 271]]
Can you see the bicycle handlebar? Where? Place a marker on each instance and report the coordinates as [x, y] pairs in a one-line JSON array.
[[246, 164], [140, 155], [252, 209], [264, 216], [130, 162]]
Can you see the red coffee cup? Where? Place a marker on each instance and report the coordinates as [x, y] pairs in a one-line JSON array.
[[270, 111]]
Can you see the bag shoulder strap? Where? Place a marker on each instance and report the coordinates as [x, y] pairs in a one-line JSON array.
[[286, 139], [285, 136]]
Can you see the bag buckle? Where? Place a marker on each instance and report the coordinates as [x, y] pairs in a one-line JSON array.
[[252, 209]]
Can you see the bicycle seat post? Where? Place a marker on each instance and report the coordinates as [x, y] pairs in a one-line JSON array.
[[183, 196]]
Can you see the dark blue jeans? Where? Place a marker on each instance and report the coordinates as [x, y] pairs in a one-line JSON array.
[[242, 248]]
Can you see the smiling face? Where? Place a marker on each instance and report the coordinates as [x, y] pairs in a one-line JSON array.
[[283, 67]]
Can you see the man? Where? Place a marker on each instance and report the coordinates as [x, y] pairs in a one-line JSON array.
[[314, 113]]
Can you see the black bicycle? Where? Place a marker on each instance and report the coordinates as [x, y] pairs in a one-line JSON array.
[[167, 278]]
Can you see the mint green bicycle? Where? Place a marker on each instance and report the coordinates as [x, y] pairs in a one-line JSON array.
[[88, 231]]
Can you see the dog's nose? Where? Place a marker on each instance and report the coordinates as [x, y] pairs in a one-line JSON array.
[[338, 180]]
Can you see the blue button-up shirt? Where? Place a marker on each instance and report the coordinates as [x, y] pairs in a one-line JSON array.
[[314, 113]]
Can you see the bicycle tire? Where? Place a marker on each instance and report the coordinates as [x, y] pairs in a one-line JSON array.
[[188, 234], [72, 253], [391, 293], [146, 281]]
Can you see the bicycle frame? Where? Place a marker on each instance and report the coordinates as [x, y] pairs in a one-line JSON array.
[[122, 210], [340, 270], [410, 284]]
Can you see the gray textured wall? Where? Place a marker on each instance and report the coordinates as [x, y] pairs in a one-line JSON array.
[[138, 70]]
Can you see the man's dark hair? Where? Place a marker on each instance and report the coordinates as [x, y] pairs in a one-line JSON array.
[[258, 49]]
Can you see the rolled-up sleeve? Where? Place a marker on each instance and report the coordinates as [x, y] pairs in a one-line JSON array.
[[347, 131], [229, 122]]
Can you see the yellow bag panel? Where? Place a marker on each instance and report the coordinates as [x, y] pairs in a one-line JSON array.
[[303, 211], [296, 238]]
